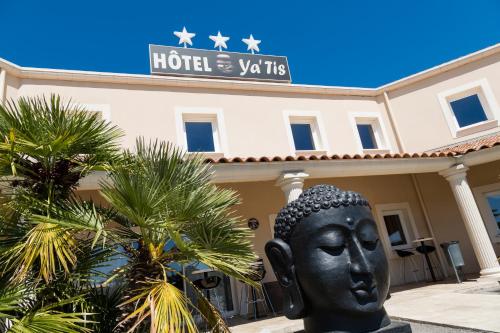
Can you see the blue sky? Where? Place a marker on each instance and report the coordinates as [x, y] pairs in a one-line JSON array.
[[330, 42]]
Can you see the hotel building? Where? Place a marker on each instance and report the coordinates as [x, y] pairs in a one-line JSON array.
[[424, 150]]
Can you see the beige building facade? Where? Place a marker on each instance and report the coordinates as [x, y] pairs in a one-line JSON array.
[[424, 150]]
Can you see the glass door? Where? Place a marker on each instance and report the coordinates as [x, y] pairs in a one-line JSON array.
[[493, 199]]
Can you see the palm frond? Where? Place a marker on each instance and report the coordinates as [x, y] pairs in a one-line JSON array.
[[165, 306], [212, 316], [11, 299], [50, 322], [207, 310], [19, 312], [51, 243], [48, 245], [167, 195], [105, 303], [50, 145]]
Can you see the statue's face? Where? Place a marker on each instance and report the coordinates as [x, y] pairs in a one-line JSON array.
[[339, 260]]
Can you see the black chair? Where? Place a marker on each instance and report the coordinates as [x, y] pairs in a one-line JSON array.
[[425, 250], [251, 296], [408, 255]]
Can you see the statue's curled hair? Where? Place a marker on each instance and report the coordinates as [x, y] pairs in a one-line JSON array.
[[312, 201]]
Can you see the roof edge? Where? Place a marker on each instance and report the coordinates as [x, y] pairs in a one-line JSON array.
[[444, 67], [187, 82], [177, 81]]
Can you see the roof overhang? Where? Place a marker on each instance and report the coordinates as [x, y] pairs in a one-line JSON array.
[[238, 172], [249, 172], [270, 171]]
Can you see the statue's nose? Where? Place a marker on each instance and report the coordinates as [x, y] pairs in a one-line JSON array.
[[359, 263]]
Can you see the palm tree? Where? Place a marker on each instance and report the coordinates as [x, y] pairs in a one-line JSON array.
[[162, 195], [53, 244], [47, 146]]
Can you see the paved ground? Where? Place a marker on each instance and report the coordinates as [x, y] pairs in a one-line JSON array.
[[473, 306], [426, 328], [282, 325]]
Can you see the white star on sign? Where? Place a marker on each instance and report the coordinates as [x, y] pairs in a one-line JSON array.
[[220, 41], [184, 37], [253, 44]]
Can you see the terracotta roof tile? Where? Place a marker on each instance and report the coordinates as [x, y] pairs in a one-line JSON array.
[[450, 151], [310, 157], [473, 145]]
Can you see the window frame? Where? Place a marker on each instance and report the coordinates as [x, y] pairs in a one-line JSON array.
[[318, 133], [195, 114], [482, 89], [379, 131], [480, 193], [407, 223]]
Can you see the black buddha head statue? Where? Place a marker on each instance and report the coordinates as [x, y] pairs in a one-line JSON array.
[[329, 262]]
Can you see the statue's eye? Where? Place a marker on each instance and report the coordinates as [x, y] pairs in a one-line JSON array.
[[333, 241], [367, 234], [333, 250], [370, 244]]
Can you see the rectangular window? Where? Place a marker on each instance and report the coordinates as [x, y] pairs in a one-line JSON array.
[[305, 132], [397, 226], [199, 136], [369, 132], [367, 136], [395, 230], [488, 201], [302, 137], [494, 205], [468, 110]]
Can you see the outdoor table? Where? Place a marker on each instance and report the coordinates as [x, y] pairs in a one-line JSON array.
[[205, 276], [426, 254]]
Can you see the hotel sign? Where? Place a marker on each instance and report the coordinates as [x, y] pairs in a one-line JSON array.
[[167, 60]]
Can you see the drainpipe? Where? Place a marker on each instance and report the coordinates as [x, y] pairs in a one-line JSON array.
[[416, 186], [388, 107], [2, 85]]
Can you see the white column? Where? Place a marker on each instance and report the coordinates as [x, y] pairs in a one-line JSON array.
[[481, 243], [292, 183]]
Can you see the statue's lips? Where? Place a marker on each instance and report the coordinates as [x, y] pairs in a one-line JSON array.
[[363, 290]]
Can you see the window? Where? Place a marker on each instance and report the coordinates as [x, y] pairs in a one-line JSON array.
[[201, 130], [470, 108], [302, 137], [494, 204], [488, 201], [367, 136], [370, 132], [199, 136], [306, 132], [397, 227]]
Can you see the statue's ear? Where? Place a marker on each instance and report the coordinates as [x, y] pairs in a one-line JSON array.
[[281, 258]]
